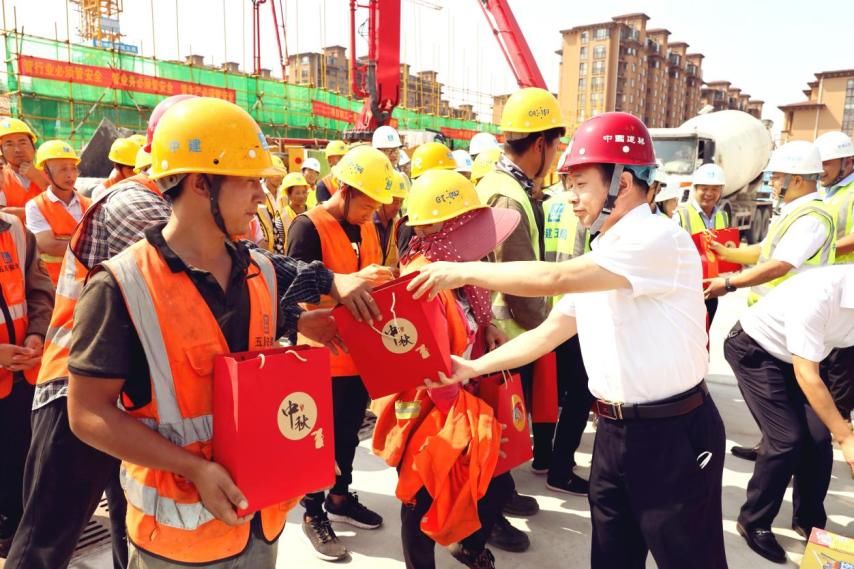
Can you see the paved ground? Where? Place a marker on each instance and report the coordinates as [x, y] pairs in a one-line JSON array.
[[560, 533]]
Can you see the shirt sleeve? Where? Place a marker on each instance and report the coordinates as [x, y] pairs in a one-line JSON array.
[[801, 241], [805, 325], [36, 222], [647, 259], [566, 305], [128, 214], [39, 290], [304, 240]]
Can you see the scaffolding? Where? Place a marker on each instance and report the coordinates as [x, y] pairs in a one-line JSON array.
[[99, 19]]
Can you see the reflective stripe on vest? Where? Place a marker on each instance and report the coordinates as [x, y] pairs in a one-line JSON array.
[[13, 261], [842, 204], [564, 237], [691, 220], [166, 516], [825, 255]]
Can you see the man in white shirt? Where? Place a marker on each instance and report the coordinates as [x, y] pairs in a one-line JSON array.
[[775, 352], [655, 484]]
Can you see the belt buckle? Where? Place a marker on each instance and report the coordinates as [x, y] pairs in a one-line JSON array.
[[609, 410]]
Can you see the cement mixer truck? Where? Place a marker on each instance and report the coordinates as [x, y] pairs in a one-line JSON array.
[[738, 142]]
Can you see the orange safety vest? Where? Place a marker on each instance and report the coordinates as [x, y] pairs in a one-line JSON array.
[[166, 516], [339, 257], [13, 259], [16, 194], [331, 184], [72, 275], [62, 224]]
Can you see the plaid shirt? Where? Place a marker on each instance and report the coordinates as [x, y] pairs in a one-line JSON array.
[[121, 221]]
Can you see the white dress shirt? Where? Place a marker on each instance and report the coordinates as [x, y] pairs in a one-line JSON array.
[[647, 342], [37, 223], [803, 238], [808, 315]]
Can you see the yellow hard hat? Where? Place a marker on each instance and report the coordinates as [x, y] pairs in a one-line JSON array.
[[143, 160], [138, 139], [53, 149], [400, 185], [336, 148], [530, 110], [485, 163], [293, 179], [280, 164], [204, 135], [368, 170], [440, 195], [123, 151], [8, 125], [430, 156]]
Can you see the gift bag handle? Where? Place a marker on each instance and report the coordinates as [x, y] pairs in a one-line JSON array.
[[263, 358], [393, 315]]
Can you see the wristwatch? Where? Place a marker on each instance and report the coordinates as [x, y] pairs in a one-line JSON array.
[[729, 286]]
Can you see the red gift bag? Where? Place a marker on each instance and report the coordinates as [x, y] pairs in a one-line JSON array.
[[729, 238], [503, 392], [544, 390], [273, 428], [408, 345], [707, 256]]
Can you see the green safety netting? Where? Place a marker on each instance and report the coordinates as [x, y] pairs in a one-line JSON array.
[[72, 111]]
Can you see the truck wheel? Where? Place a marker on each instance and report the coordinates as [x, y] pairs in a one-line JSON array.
[[757, 227]]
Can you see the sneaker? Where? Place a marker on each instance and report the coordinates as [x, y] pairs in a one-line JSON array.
[[353, 512], [576, 485], [369, 421], [482, 560], [520, 505], [505, 536], [539, 469], [322, 537]]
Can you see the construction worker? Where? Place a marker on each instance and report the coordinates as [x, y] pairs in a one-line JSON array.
[[387, 220], [272, 183], [138, 139], [658, 456], [404, 163], [123, 156], [340, 233], [450, 224], [292, 201], [21, 180], [837, 161], [667, 200], [387, 140], [211, 200], [776, 351], [485, 163], [311, 172], [532, 127], [143, 161], [26, 299], [432, 156], [268, 213], [53, 215], [464, 162], [482, 142], [566, 238], [335, 149]]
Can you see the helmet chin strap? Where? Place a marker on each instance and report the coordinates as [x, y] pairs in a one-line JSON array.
[[214, 186], [778, 203], [610, 200], [843, 172]]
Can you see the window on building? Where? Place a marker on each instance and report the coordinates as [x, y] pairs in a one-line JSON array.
[[634, 67], [583, 53], [582, 84], [599, 52], [601, 34], [584, 37], [580, 116], [598, 67], [582, 69], [848, 109], [596, 99], [582, 100], [597, 84]]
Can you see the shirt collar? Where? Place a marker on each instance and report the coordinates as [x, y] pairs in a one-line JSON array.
[[699, 209], [844, 182], [792, 205], [55, 199], [624, 224], [508, 166]]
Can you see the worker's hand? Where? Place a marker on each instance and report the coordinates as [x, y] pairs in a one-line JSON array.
[[713, 288], [319, 325], [219, 494], [494, 337], [378, 274], [354, 292], [848, 452], [34, 342], [26, 169], [436, 277], [22, 362], [462, 371], [720, 250], [17, 358]]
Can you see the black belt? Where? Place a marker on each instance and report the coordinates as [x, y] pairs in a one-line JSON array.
[[680, 404]]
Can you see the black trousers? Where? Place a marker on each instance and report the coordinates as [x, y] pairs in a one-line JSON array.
[[837, 370], [63, 484], [649, 492], [795, 443], [14, 442], [418, 549], [711, 308], [349, 401]]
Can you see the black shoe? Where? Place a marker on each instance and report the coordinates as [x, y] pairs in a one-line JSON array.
[[763, 542], [520, 505], [505, 536], [352, 512], [804, 530], [322, 537], [576, 485], [745, 453], [539, 468], [481, 560]]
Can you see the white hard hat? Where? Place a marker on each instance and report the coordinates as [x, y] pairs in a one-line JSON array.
[[463, 160], [482, 141], [668, 193], [311, 164], [833, 145], [709, 175], [660, 176], [796, 157], [404, 158], [386, 137]]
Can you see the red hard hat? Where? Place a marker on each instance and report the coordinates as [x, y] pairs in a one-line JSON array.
[[610, 138], [158, 111]]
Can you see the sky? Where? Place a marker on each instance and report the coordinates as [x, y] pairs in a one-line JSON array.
[[770, 49]]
